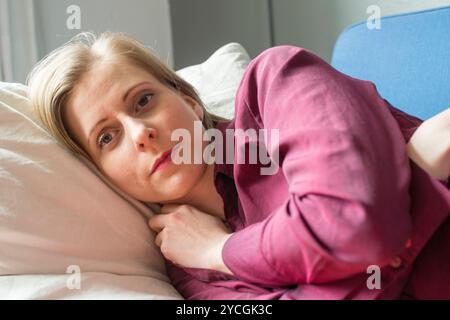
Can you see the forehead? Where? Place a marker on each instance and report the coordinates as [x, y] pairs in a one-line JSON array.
[[109, 78], [98, 93], [101, 89]]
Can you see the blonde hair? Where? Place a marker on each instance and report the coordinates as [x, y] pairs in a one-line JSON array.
[[54, 77]]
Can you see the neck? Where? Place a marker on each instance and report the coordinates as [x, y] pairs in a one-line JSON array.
[[204, 195]]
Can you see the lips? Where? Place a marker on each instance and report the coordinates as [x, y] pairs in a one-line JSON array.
[[160, 160]]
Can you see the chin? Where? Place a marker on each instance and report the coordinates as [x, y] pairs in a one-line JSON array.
[[180, 184], [173, 188]]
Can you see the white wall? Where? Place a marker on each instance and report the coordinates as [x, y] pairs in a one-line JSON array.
[[316, 24], [200, 27], [184, 32], [18, 50], [146, 20]]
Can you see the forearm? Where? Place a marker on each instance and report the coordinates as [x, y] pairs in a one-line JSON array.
[[216, 260], [192, 288], [438, 167], [429, 147]]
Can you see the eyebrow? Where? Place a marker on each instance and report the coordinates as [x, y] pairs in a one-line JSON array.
[[124, 99]]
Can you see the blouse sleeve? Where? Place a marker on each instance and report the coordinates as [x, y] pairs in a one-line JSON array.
[[344, 159], [192, 288]]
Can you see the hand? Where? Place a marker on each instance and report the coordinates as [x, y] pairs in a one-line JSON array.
[[189, 237]]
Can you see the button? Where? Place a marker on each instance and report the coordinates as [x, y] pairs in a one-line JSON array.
[[408, 244], [396, 262]]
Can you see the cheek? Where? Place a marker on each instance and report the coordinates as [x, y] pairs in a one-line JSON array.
[[180, 113], [118, 167], [183, 119], [186, 119]]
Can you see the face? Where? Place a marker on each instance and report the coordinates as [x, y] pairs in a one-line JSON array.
[[138, 115]]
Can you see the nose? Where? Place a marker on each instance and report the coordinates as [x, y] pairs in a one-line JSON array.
[[143, 136]]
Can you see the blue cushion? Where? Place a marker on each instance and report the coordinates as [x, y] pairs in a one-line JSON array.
[[408, 59]]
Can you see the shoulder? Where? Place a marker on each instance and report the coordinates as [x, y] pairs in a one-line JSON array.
[[280, 62], [279, 56], [280, 52], [281, 70]]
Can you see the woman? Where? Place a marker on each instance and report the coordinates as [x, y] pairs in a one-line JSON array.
[[339, 203]]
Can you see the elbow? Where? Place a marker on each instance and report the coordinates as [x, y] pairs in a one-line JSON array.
[[367, 236], [386, 251], [384, 236], [351, 235]]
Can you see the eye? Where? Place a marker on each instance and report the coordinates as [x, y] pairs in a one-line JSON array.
[[104, 139], [143, 101]]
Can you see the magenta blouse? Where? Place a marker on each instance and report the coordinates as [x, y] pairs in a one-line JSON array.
[[345, 197]]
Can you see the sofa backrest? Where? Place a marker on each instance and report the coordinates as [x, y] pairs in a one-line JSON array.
[[408, 59]]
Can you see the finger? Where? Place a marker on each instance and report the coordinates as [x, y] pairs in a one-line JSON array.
[[168, 208], [158, 240], [157, 222]]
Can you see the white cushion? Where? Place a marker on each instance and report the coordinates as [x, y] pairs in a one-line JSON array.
[[218, 78], [55, 213]]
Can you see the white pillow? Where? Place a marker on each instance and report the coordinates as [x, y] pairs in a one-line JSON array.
[[218, 78], [55, 212]]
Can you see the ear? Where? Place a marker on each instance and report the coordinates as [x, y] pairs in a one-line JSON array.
[[196, 107]]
